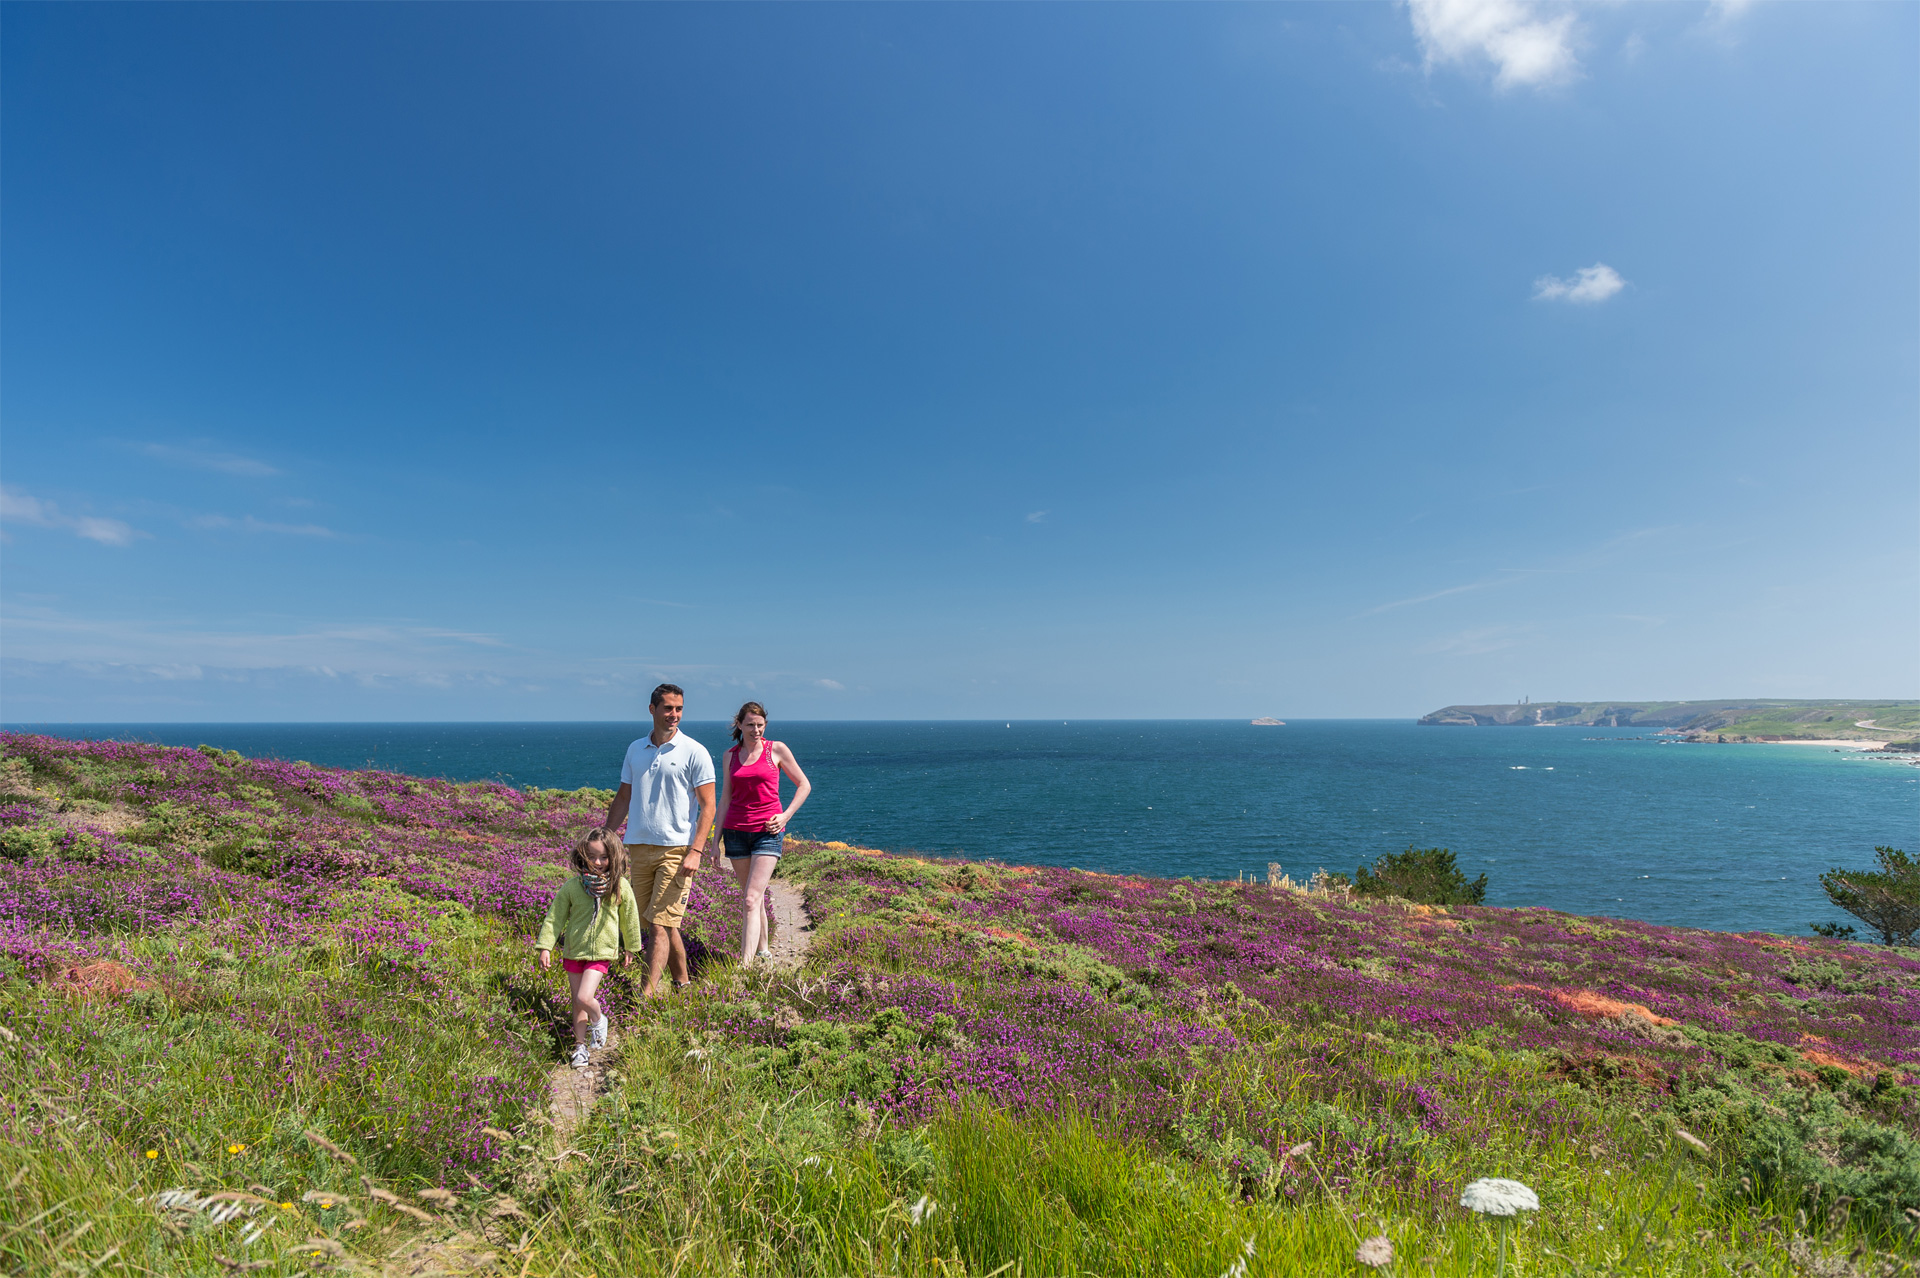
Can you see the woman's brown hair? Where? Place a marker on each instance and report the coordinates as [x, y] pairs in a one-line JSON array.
[[616, 858], [752, 707]]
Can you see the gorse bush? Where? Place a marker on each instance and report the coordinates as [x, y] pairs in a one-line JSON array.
[[1427, 876]]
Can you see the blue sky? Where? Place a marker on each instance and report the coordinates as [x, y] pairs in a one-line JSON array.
[[494, 361]]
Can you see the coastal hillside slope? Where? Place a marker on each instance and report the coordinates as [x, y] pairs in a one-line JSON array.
[[269, 1018], [1755, 719]]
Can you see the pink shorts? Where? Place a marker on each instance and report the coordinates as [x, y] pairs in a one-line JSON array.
[[577, 966]]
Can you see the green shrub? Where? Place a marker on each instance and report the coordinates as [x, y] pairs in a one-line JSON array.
[[1815, 1149], [25, 842], [1424, 875], [1886, 900]]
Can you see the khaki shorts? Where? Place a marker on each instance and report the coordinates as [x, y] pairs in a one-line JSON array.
[[659, 886]]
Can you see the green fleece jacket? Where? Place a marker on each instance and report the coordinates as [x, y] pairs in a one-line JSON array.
[[588, 934]]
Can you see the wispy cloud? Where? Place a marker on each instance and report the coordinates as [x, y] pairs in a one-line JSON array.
[[831, 685], [1038, 516], [1473, 643], [1587, 286], [47, 634], [1579, 561], [248, 524], [201, 457], [17, 507], [1526, 47], [1485, 583]]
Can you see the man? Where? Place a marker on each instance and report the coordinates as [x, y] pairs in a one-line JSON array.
[[667, 773]]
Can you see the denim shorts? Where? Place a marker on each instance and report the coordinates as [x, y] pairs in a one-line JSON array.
[[752, 842]]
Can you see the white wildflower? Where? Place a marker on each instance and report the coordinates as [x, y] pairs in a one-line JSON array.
[[1238, 1269], [1376, 1252], [1496, 1197], [923, 1209], [1304, 1147]]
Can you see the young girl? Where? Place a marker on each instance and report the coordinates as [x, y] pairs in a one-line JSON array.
[[595, 920]]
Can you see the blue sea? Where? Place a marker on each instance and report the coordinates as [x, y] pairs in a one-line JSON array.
[[1590, 820]]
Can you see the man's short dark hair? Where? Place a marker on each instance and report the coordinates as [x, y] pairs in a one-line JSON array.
[[667, 689]]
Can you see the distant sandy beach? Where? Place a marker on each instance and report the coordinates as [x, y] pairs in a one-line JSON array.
[[1838, 743]]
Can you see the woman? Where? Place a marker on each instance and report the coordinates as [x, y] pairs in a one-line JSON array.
[[752, 822]]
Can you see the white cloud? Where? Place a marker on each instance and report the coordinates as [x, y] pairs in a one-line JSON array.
[[1727, 10], [1474, 643], [831, 685], [1038, 516], [1512, 575], [45, 634], [251, 525], [1590, 284], [17, 507], [1526, 47], [203, 458]]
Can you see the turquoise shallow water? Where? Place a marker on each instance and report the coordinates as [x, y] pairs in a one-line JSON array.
[[1596, 821]]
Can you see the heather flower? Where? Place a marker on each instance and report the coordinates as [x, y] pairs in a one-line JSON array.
[[1496, 1197], [1376, 1252]]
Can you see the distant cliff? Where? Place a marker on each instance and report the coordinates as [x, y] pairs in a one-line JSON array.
[[1757, 719]]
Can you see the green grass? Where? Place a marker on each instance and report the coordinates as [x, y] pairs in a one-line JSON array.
[[361, 1065], [706, 1166]]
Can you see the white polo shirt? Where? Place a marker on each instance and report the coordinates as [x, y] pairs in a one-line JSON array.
[[664, 778]]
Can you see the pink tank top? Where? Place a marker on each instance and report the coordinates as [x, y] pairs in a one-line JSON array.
[[753, 790]]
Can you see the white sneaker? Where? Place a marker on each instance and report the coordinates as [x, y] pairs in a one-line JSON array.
[[579, 1055], [600, 1032]]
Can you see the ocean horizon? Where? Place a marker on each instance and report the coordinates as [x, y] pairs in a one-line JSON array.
[[1592, 821]]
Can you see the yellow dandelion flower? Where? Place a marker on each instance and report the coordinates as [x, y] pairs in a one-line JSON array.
[[153, 1153], [327, 1206], [286, 1206]]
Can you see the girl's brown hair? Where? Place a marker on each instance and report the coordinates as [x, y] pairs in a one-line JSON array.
[[616, 857], [752, 707]]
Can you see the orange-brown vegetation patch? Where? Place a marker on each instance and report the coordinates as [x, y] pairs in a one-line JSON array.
[[1777, 943], [1602, 1068], [1815, 1056], [1002, 934], [102, 978], [1587, 1003]]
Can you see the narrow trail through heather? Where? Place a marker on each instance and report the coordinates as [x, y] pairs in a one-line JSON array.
[[571, 1092]]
